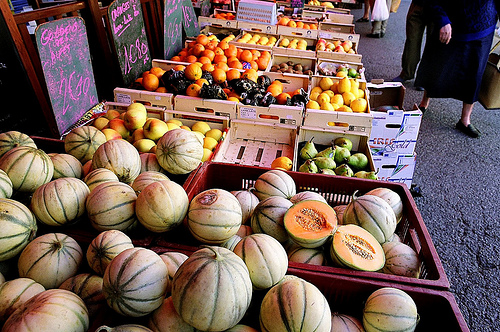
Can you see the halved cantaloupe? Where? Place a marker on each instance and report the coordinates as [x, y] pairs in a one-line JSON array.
[[354, 247], [310, 223]]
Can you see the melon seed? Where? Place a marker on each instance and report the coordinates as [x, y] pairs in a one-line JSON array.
[[313, 221], [358, 246]]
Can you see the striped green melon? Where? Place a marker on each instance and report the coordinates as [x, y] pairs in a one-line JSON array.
[[212, 289], [307, 195], [18, 225], [401, 259], [165, 319], [162, 206], [231, 242], [50, 259], [244, 230], [104, 247], [248, 202], [179, 151], [390, 309], [5, 185], [299, 254], [82, 142], [13, 139], [173, 260], [294, 305], [391, 197], [267, 217], [89, 288], [111, 205], [346, 323], [15, 293], [66, 166], [135, 282], [51, 310], [265, 258], [60, 202], [98, 176], [373, 214], [149, 162], [27, 167], [214, 216], [124, 328], [275, 183], [146, 178], [120, 157]]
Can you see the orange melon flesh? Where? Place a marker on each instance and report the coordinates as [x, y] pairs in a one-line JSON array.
[[310, 223], [356, 248]]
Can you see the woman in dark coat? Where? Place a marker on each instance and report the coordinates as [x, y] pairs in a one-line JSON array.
[[456, 53]]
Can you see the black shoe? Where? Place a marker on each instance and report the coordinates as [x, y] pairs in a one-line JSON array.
[[419, 88], [399, 79], [373, 35], [469, 130], [382, 34], [422, 109], [362, 20]]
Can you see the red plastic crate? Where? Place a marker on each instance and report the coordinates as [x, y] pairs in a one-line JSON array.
[[336, 190]]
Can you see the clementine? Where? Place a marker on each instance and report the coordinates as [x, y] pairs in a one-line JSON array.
[[233, 74], [150, 82], [202, 39], [219, 75]]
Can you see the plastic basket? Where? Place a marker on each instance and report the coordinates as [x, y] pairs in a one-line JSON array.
[[336, 190]]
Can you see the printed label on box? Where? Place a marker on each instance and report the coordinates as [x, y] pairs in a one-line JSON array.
[[123, 98], [248, 113]]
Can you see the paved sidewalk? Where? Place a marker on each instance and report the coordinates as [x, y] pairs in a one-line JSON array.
[[459, 180]]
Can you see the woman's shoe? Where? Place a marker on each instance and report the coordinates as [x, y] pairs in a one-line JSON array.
[[373, 35], [362, 20], [469, 130]]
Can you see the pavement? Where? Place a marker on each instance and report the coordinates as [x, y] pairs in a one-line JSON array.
[[459, 181]]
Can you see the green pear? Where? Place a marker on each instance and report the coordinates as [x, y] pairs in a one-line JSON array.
[[344, 170], [325, 162], [329, 152], [366, 175], [343, 142], [308, 151], [341, 154], [327, 171], [357, 161], [308, 167]]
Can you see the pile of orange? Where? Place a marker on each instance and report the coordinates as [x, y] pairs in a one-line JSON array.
[[224, 16], [150, 80], [286, 21]]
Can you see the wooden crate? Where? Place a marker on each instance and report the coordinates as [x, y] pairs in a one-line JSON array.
[[201, 106]]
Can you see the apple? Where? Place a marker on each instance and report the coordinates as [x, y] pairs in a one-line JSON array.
[[111, 134], [154, 129], [320, 47], [138, 134], [347, 45], [171, 126], [101, 122], [321, 41], [111, 114], [144, 145], [135, 118], [339, 49], [119, 125], [330, 46]]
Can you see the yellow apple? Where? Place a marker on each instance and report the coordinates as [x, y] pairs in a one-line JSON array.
[[111, 114], [207, 153], [312, 104], [119, 125], [209, 143], [214, 133], [111, 134], [325, 83], [175, 121], [201, 126], [135, 118], [171, 126], [359, 105], [138, 134], [185, 128], [144, 145], [337, 99], [138, 106], [154, 129], [101, 122]]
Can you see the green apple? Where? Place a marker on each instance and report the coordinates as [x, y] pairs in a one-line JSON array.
[[135, 118], [154, 129], [144, 144]]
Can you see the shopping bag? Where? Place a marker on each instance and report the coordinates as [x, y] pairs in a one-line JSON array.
[[395, 5], [380, 11], [489, 93]]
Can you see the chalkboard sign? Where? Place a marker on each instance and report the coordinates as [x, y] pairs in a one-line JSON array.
[[172, 29], [190, 19], [297, 3], [205, 8], [130, 40], [64, 53]]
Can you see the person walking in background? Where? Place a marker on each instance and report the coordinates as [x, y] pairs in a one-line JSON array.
[[456, 53], [366, 14], [379, 26], [416, 23]]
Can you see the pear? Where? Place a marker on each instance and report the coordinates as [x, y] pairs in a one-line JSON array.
[[357, 161], [328, 171], [324, 162], [366, 175], [344, 170], [308, 167], [329, 152], [308, 151], [341, 154], [343, 142]]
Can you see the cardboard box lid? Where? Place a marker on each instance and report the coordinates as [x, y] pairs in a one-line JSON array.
[[386, 94]]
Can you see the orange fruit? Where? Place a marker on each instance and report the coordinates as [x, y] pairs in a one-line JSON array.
[[275, 90], [282, 98], [204, 59], [262, 63], [278, 83], [197, 49], [139, 80], [233, 74], [211, 45], [223, 44], [176, 58], [222, 65], [283, 163], [251, 74], [292, 24], [314, 26], [193, 90], [161, 89], [306, 26], [201, 81], [179, 67], [193, 72], [219, 75], [220, 58], [284, 20], [235, 64], [208, 54], [254, 65], [145, 73], [202, 39], [208, 67], [255, 54], [246, 56], [230, 51], [191, 58], [300, 24], [150, 82], [235, 99], [191, 44], [232, 58], [295, 92], [219, 51]]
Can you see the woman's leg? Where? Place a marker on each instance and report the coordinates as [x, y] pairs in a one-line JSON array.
[[466, 112]]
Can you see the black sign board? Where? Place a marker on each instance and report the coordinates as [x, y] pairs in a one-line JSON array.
[[64, 53], [297, 3], [129, 35], [190, 19], [172, 33]]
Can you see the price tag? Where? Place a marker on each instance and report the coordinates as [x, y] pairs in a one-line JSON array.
[[248, 113]]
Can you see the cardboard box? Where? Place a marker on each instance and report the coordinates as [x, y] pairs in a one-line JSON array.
[[309, 52], [258, 27], [218, 22], [243, 45], [148, 98], [339, 18], [290, 115], [217, 30], [336, 27], [323, 64], [395, 167], [386, 94], [278, 59], [254, 143], [298, 32], [153, 112], [340, 56], [202, 107], [360, 123], [314, 14], [261, 12]]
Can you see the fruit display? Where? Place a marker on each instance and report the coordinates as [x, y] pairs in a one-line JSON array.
[[341, 46], [289, 22], [338, 94], [292, 68], [339, 70], [327, 4], [295, 43], [256, 39], [221, 15]]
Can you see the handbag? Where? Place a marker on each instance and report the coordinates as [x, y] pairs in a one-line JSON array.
[[489, 93], [395, 5], [380, 11]]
